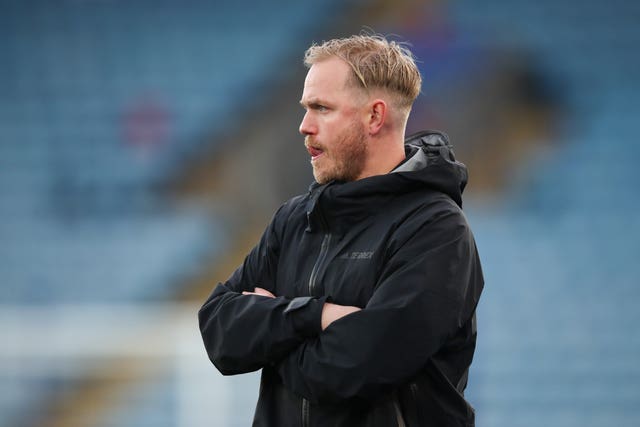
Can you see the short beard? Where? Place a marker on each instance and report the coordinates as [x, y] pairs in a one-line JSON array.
[[349, 157]]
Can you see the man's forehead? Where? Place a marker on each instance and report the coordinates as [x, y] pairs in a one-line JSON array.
[[330, 72], [325, 79]]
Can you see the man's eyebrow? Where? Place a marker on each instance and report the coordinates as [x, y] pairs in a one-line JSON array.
[[312, 102]]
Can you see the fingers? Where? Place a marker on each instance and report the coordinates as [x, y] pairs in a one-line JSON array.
[[260, 292], [332, 312], [266, 293]]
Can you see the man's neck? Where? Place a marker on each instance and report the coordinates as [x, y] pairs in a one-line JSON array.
[[383, 158]]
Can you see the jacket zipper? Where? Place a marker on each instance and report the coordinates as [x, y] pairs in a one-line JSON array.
[[324, 248], [305, 412]]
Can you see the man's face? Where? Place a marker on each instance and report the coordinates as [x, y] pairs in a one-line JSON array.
[[333, 123]]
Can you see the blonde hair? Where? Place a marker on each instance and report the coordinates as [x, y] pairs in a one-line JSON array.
[[376, 63]]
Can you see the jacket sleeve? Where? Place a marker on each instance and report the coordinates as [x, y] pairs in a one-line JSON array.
[[243, 333], [428, 289]]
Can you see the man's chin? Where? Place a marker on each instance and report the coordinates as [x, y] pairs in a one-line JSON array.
[[321, 178]]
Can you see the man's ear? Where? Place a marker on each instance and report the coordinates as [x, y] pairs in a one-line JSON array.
[[377, 116]]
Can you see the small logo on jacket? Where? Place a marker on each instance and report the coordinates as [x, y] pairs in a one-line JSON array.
[[357, 255]]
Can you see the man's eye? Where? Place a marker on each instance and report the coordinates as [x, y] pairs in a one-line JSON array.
[[321, 108]]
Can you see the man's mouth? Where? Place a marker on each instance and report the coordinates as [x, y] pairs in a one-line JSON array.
[[314, 152]]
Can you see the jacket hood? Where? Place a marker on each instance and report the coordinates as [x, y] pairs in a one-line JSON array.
[[430, 161], [429, 165]]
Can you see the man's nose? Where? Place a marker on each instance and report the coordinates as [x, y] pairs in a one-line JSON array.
[[306, 126]]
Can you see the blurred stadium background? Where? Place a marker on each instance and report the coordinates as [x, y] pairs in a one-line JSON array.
[[145, 144]]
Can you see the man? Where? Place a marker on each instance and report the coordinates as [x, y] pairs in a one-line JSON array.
[[358, 303]]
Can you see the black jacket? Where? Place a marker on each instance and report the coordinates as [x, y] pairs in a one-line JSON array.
[[396, 245]]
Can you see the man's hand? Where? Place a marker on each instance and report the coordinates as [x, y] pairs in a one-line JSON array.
[[332, 312], [261, 292]]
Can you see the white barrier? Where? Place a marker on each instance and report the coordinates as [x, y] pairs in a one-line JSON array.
[[72, 342]]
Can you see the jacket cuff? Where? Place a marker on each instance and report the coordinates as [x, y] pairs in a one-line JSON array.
[[306, 314]]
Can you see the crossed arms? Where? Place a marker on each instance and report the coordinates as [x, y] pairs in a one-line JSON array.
[[322, 351]]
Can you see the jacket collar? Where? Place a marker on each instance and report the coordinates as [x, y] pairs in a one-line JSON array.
[[430, 166]]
